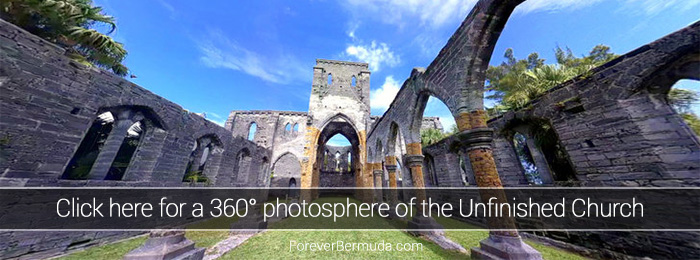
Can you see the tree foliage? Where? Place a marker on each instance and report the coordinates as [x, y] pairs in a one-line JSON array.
[[431, 135], [515, 82], [71, 24], [681, 100]]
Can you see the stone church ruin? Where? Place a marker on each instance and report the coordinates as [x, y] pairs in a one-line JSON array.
[[66, 125]]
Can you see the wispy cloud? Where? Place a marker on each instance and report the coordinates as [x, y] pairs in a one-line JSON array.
[[380, 99], [434, 13], [639, 7], [553, 5], [167, 6], [375, 54], [218, 51], [653, 7]]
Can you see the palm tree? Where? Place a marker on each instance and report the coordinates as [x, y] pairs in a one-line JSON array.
[[430, 136], [70, 23]]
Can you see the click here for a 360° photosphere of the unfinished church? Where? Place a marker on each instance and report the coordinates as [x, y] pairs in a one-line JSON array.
[[66, 125]]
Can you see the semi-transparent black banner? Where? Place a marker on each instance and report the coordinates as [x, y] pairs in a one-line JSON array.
[[634, 209]]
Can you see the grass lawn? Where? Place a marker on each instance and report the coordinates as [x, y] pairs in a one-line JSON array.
[[119, 249], [276, 244], [471, 238]]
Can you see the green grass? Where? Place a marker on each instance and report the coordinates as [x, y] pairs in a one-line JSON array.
[[119, 249], [471, 238], [276, 244], [111, 251]]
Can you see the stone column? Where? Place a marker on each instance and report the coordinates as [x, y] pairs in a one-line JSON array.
[[540, 161], [367, 182], [391, 169], [476, 139], [419, 225], [378, 173], [163, 244], [123, 119]]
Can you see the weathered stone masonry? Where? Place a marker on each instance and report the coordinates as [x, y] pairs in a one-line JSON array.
[[617, 129], [47, 104], [614, 126]]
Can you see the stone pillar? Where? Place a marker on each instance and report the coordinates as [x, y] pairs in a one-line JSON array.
[[476, 139], [419, 225], [378, 173], [391, 169], [123, 119], [367, 182], [540, 161], [162, 244]]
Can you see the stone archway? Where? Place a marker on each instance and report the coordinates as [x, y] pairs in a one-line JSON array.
[[285, 169], [344, 170]]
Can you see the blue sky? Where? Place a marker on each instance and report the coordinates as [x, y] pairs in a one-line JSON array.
[[244, 55]]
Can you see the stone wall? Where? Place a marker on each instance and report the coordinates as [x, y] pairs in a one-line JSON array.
[[616, 128], [49, 102], [272, 132]]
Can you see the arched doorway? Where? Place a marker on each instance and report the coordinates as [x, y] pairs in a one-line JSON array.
[[285, 170], [337, 157]]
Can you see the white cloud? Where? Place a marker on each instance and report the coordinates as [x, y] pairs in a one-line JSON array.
[[217, 51], [380, 99], [645, 7], [434, 13], [653, 7], [374, 54], [352, 28], [553, 5]]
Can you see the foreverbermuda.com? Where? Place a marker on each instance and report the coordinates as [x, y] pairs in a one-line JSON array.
[[341, 246]]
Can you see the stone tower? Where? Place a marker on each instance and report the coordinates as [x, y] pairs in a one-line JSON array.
[[339, 104], [340, 87]]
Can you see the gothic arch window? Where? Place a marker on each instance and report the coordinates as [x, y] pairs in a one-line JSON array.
[[296, 127], [429, 164], [126, 152], [337, 160], [288, 127], [353, 81], [542, 156], [251, 131], [527, 162], [202, 151], [330, 79], [111, 143], [84, 158], [242, 169]]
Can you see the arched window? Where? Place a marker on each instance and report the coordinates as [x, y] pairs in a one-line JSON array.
[[111, 143], [522, 150], [202, 151], [242, 168], [296, 127], [337, 161], [251, 131], [81, 163], [354, 81], [126, 152], [288, 127], [330, 79]]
